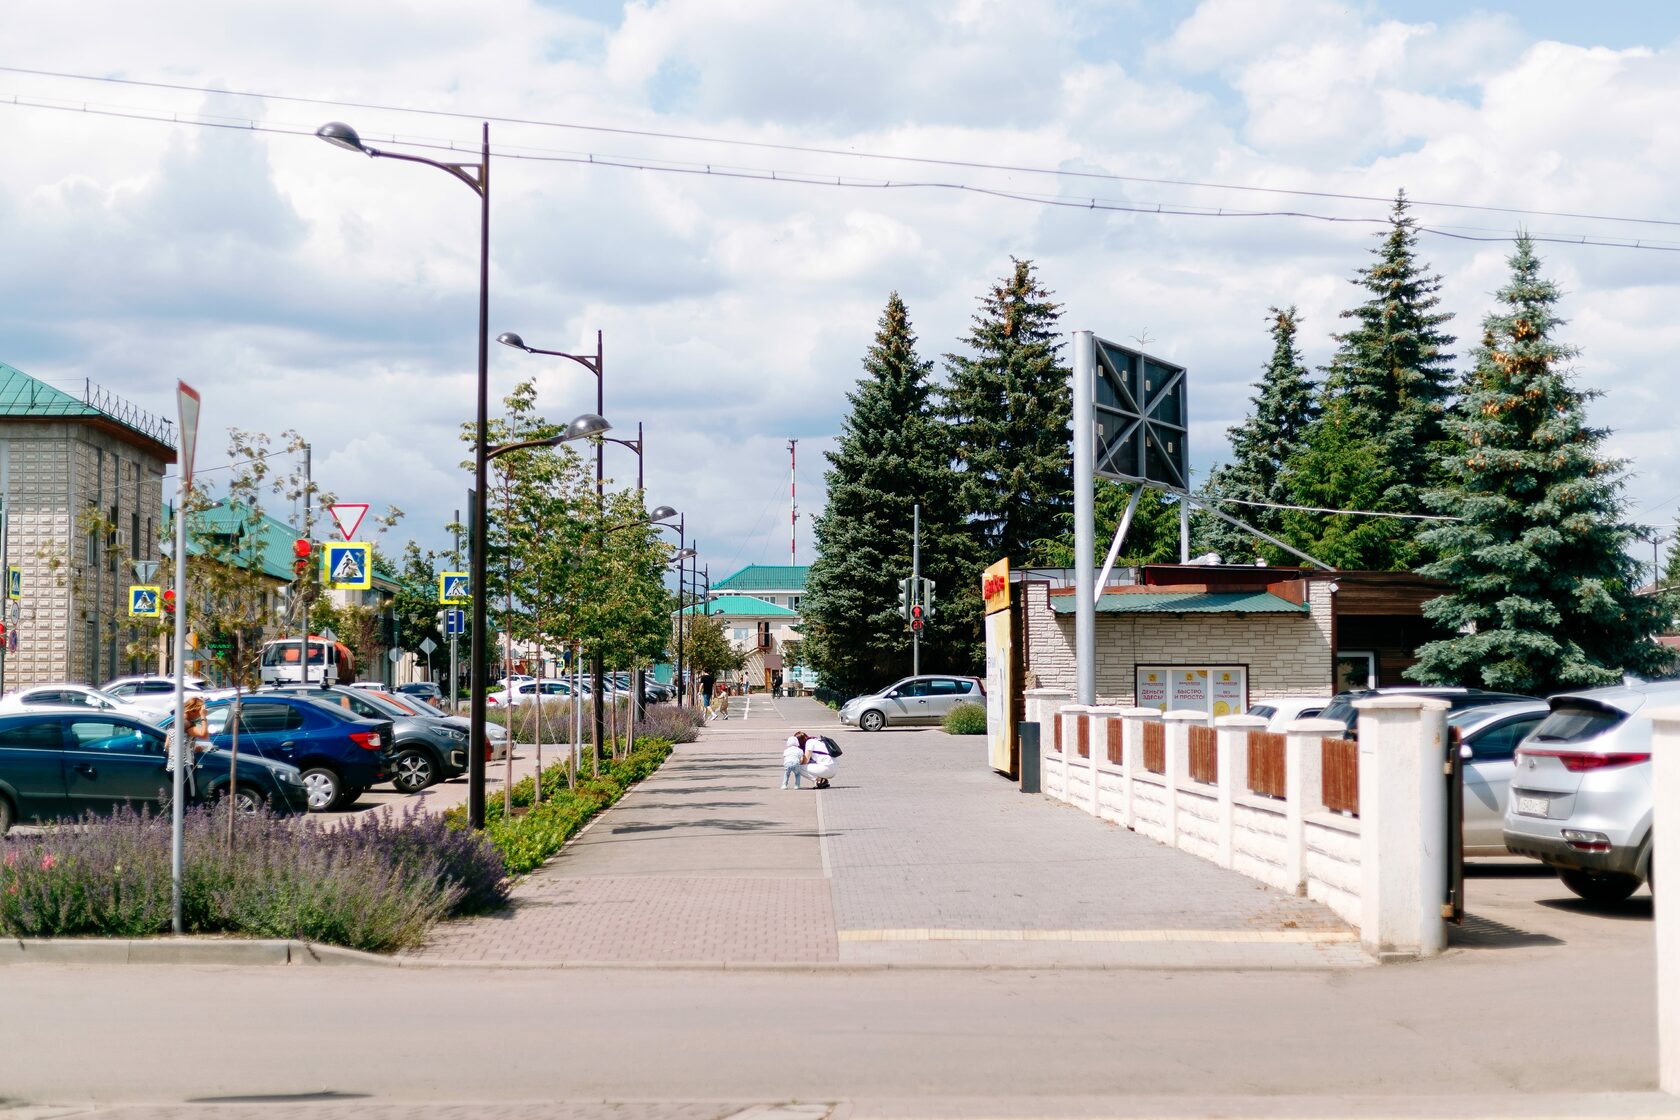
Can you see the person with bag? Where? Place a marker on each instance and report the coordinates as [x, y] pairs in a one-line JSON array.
[[819, 753]]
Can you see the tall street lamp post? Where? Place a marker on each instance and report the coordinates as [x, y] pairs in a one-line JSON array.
[[477, 177], [595, 364]]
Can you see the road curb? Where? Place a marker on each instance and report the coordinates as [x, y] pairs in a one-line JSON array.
[[179, 950]]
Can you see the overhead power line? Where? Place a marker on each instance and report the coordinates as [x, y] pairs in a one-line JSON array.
[[800, 178], [843, 153], [1339, 512]]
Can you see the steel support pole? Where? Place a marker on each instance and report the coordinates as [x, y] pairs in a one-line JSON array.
[[1084, 518], [1184, 529], [682, 588], [1114, 546], [479, 531], [597, 663], [178, 740], [915, 587]]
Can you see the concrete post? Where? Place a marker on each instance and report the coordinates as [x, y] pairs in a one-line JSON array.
[[1081, 771], [1101, 718], [1177, 765], [1231, 746], [1040, 703], [1303, 788], [1665, 853], [1402, 826], [1132, 720]]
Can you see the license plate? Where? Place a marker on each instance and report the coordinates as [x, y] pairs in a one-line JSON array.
[[1533, 806]]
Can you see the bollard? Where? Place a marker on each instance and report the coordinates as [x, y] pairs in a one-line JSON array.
[[1029, 757]]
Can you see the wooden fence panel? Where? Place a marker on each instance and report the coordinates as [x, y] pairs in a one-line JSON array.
[[1341, 776], [1155, 747], [1056, 733], [1084, 736], [1204, 759], [1116, 741], [1265, 764]]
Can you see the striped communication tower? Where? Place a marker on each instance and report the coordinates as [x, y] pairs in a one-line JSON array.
[[793, 499]]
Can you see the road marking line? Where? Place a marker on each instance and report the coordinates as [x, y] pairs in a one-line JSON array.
[[1205, 936], [822, 845]]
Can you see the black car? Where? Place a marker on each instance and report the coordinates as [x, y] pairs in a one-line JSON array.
[[58, 764], [426, 690], [1342, 710], [428, 750]]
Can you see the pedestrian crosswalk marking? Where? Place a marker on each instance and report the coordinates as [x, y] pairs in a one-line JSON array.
[[1217, 936]]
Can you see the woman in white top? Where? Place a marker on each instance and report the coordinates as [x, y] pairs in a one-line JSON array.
[[819, 765]]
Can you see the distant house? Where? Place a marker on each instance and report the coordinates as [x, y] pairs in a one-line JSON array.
[[81, 478], [759, 609]]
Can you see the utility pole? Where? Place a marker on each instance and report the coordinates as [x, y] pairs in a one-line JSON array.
[[793, 498], [303, 583], [916, 584], [454, 633]]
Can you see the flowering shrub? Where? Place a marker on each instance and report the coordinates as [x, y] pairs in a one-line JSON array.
[[373, 884]]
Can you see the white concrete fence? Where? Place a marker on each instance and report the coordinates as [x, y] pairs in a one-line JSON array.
[[1361, 828], [1665, 853]]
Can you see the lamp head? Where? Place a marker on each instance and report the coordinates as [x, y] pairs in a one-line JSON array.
[[588, 424], [680, 556], [342, 135], [660, 513], [508, 338]]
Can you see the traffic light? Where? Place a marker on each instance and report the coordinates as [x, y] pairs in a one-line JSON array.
[[916, 615], [904, 597], [169, 601], [301, 548], [927, 597]]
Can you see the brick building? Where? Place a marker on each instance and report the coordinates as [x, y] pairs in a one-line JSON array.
[[81, 476], [1192, 635]]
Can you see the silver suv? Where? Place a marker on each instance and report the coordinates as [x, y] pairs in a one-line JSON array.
[[924, 699], [1581, 790]]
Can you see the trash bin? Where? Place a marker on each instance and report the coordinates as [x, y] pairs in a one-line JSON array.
[[1029, 758]]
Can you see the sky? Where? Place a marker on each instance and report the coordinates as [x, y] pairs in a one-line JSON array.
[[728, 190]]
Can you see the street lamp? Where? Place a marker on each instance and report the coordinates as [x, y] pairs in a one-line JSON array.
[[477, 177]]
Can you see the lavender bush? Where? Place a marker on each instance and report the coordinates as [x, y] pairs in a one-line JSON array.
[[374, 884]]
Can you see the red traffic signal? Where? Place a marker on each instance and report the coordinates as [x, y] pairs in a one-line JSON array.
[[302, 548], [169, 600], [916, 613]]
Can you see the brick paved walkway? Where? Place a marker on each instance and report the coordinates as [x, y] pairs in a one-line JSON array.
[[918, 854]]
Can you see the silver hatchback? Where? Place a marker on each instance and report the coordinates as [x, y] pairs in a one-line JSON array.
[[913, 700], [1581, 790]]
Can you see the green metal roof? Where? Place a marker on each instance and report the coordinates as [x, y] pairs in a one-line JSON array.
[[740, 605], [23, 396], [1184, 602], [274, 538], [765, 577]]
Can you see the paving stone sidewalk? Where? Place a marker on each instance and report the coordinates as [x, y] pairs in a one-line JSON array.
[[917, 855]]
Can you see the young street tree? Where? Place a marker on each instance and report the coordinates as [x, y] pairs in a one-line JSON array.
[[1380, 438], [890, 457], [1280, 414], [1010, 421], [1543, 592]]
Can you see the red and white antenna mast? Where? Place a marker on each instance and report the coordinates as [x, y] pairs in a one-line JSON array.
[[793, 497]]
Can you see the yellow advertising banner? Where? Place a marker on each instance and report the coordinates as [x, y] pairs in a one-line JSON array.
[[994, 586]]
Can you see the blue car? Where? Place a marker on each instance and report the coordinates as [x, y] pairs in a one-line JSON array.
[[339, 753], [58, 763]]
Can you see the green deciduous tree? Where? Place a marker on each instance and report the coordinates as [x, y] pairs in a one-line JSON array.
[[1543, 589], [1007, 405], [1381, 435], [891, 456], [1280, 413]]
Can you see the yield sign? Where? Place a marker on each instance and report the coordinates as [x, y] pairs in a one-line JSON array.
[[348, 515]]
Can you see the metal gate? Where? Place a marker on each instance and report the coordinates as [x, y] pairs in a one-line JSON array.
[[1452, 908]]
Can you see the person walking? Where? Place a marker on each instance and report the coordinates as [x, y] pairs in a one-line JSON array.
[[707, 683], [723, 700]]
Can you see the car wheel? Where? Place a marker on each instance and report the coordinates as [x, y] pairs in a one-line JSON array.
[[872, 720], [324, 788], [248, 801], [5, 816], [1599, 886], [414, 770]]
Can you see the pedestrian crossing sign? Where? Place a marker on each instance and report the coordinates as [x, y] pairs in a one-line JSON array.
[[145, 602], [347, 565], [453, 587], [14, 583]]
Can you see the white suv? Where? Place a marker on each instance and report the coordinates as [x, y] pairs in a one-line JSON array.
[[1581, 790]]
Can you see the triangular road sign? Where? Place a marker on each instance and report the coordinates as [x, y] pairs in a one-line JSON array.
[[349, 517]]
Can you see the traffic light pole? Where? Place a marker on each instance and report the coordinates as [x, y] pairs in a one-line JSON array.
[[916, 583]]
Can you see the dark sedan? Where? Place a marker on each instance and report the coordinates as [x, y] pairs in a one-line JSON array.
[[58, 764], [426, 749]]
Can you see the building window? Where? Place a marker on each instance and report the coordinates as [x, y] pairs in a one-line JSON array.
[[134, 535]]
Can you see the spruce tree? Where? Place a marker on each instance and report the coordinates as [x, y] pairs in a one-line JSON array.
[[1009, 414], [1543, 589], [890, 457], [1151, 538], [1381, 435], [1280, 414]]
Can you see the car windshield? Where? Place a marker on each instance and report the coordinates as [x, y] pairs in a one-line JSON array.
[[425, 708]]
